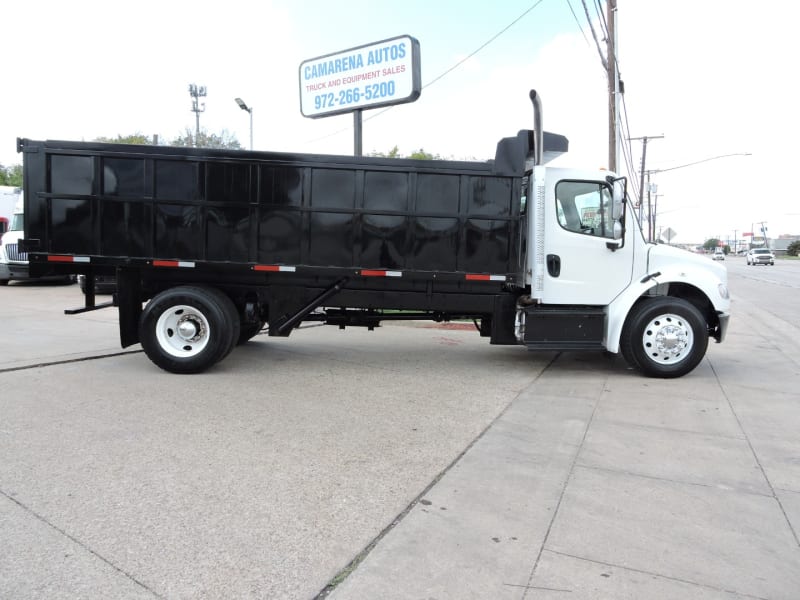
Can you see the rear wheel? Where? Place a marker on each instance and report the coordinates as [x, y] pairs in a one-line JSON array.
[[187, 329], [664, 337]]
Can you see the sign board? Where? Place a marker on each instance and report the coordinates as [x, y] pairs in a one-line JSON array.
[[669, 233], [369, 76]]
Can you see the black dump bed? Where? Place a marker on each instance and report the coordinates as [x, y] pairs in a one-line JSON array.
[[114, 205]]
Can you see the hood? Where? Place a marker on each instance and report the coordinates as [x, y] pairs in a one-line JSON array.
[[661, 255]]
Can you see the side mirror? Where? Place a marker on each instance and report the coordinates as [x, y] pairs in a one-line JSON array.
[[618, 196]]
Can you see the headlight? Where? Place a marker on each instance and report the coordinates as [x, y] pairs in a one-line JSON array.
[[723, 291]]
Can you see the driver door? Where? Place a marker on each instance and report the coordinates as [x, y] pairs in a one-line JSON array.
[[580, 267]]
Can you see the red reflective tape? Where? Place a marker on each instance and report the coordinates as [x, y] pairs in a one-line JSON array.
[[173, 263], [484, 277], [380, 273], [68, 259], [274, 268]]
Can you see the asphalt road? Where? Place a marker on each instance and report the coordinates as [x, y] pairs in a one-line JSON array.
[[298, 461]]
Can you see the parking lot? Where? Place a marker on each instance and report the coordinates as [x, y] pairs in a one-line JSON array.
[[407, 462]]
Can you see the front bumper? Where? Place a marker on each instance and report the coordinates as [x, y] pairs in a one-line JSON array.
[[9, 271]]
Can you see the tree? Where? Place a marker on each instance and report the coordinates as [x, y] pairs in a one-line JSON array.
[[710, 244], [136, 138], [393, 153], [11, 175], [207, 140], [794, 248], [421, 154], [418, 154]]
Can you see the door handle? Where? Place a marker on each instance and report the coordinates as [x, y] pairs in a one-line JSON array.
[[554, 265]]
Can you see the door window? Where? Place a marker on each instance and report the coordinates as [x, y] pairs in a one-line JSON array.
[[583, 207]]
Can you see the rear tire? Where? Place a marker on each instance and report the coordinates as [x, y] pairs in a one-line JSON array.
[[187, 329], [664, 337]]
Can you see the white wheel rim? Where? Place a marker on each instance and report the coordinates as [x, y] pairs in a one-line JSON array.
[[182, 331], [667, 339]]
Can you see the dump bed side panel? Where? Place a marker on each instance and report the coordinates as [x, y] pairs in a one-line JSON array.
[[117, 203]]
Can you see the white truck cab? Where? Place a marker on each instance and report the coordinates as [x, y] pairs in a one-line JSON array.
[[13, 264]]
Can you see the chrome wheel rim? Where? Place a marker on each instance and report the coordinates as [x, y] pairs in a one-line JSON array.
[[667, 339], [182, 331]]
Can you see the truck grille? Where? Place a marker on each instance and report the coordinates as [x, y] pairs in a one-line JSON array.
[[16, 255]]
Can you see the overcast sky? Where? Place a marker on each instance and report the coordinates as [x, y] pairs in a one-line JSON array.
[[714, 77]]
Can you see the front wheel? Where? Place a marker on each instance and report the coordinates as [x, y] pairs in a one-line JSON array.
[[187, 329], [664, 337]]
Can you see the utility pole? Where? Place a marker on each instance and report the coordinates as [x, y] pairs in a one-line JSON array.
[[641, 177], [197, 92], [655, 209], [613, 85], [764, 233]]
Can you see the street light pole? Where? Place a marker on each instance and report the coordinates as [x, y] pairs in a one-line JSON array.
[[249, 109]]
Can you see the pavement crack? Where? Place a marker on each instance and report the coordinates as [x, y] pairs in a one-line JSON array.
[[755, 456], [361, 556], [669, 480], [81, 544], [567, 479], [654, 574], [69, 360]]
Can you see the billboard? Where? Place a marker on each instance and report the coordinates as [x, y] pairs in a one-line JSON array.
[[369, 76]]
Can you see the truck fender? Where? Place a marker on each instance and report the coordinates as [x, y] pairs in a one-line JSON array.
[[620, 307], [706, 285]]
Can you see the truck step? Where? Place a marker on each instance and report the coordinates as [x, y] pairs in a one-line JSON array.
[[564, 328]]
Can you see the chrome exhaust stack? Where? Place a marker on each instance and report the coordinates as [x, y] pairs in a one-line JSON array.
[[538, 133]]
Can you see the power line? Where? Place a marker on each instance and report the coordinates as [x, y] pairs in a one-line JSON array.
[[577, 22], [603, 22], [594, 35]]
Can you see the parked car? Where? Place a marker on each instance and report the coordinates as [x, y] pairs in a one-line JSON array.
[[760, 256]]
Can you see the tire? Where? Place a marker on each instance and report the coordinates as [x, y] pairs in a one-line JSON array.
[[664, 337], [249, 331], [187, 329], [4, 281]]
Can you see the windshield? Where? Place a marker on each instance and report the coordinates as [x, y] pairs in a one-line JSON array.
[[17, 222], [761, 251]]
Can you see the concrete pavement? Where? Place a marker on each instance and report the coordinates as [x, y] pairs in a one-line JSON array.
[[596, 483], [407, 463]]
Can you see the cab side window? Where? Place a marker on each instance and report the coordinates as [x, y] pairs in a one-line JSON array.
[[583, 207]]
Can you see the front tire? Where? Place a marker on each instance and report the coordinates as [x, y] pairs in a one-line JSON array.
[[664, 337], [187, 329]]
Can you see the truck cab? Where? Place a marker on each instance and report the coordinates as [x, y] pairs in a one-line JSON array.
[[13, 263]]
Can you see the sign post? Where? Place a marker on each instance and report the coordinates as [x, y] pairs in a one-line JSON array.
[[370, 76]]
